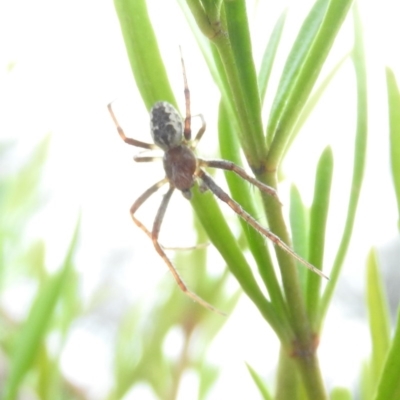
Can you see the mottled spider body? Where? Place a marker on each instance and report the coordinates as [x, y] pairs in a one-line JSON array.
[[172, 134], [166, 126]]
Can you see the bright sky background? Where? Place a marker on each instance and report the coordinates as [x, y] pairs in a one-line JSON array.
[[70, 62]]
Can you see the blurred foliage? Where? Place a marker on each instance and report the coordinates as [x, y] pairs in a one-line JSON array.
[[288, 296]]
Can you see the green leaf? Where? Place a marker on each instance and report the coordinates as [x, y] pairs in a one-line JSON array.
[[318, 217], [389, 385], [367, 388], [379, 323], [314, 99], [143, 52], [262, 387], [247, 97], [208, 375], [269, 55], [360, 149], [35, 327], [298, 215], [394, 129], [49, 379], [302, 68]]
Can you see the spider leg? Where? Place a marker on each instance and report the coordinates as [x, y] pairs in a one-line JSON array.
[[209, 182], [140, 201], [154, 235], [132, 142], [135, 206], [187, 131], [230, 166], [139, 158], [200, 133]]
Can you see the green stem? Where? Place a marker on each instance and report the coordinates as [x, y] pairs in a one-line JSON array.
[[303, 347], [230, 150], [290, 369], [216, 228], [287, 265], [287, 379], [310, 373]]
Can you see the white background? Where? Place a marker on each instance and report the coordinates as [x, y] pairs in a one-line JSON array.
[[69, 62]]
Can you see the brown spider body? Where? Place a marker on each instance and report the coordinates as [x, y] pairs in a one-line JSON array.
[[166, 127], [180, 165]]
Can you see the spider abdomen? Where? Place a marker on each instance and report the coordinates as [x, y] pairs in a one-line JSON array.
[[180, 165], [166, 125]]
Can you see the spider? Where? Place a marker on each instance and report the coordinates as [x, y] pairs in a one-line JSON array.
[[173, 135]]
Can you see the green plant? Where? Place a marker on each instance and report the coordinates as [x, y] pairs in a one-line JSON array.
[[296, 308], [289, 298], [293, 311]]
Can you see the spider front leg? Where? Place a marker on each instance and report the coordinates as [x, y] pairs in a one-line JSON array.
[[200, 133], [132, 142], [154, 236], [139, 158], [214, 188], [230, 166]]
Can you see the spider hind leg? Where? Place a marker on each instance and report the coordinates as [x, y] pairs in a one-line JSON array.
[[154, 237], [214, 188]]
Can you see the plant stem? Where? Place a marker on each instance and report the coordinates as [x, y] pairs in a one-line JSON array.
[[310, 372], [287, 379], [303, 348]]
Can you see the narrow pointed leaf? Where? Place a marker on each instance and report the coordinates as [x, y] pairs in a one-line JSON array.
[[298, 215], [262, 387], [31, 336], [389, 385], [143, 52], [302, 68], [314, 99], [394, 129], [269, 55], [378, 312], [247, 97], [318, 217], [360, 148]]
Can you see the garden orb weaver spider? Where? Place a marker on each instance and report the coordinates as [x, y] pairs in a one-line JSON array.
[[182, 168]]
